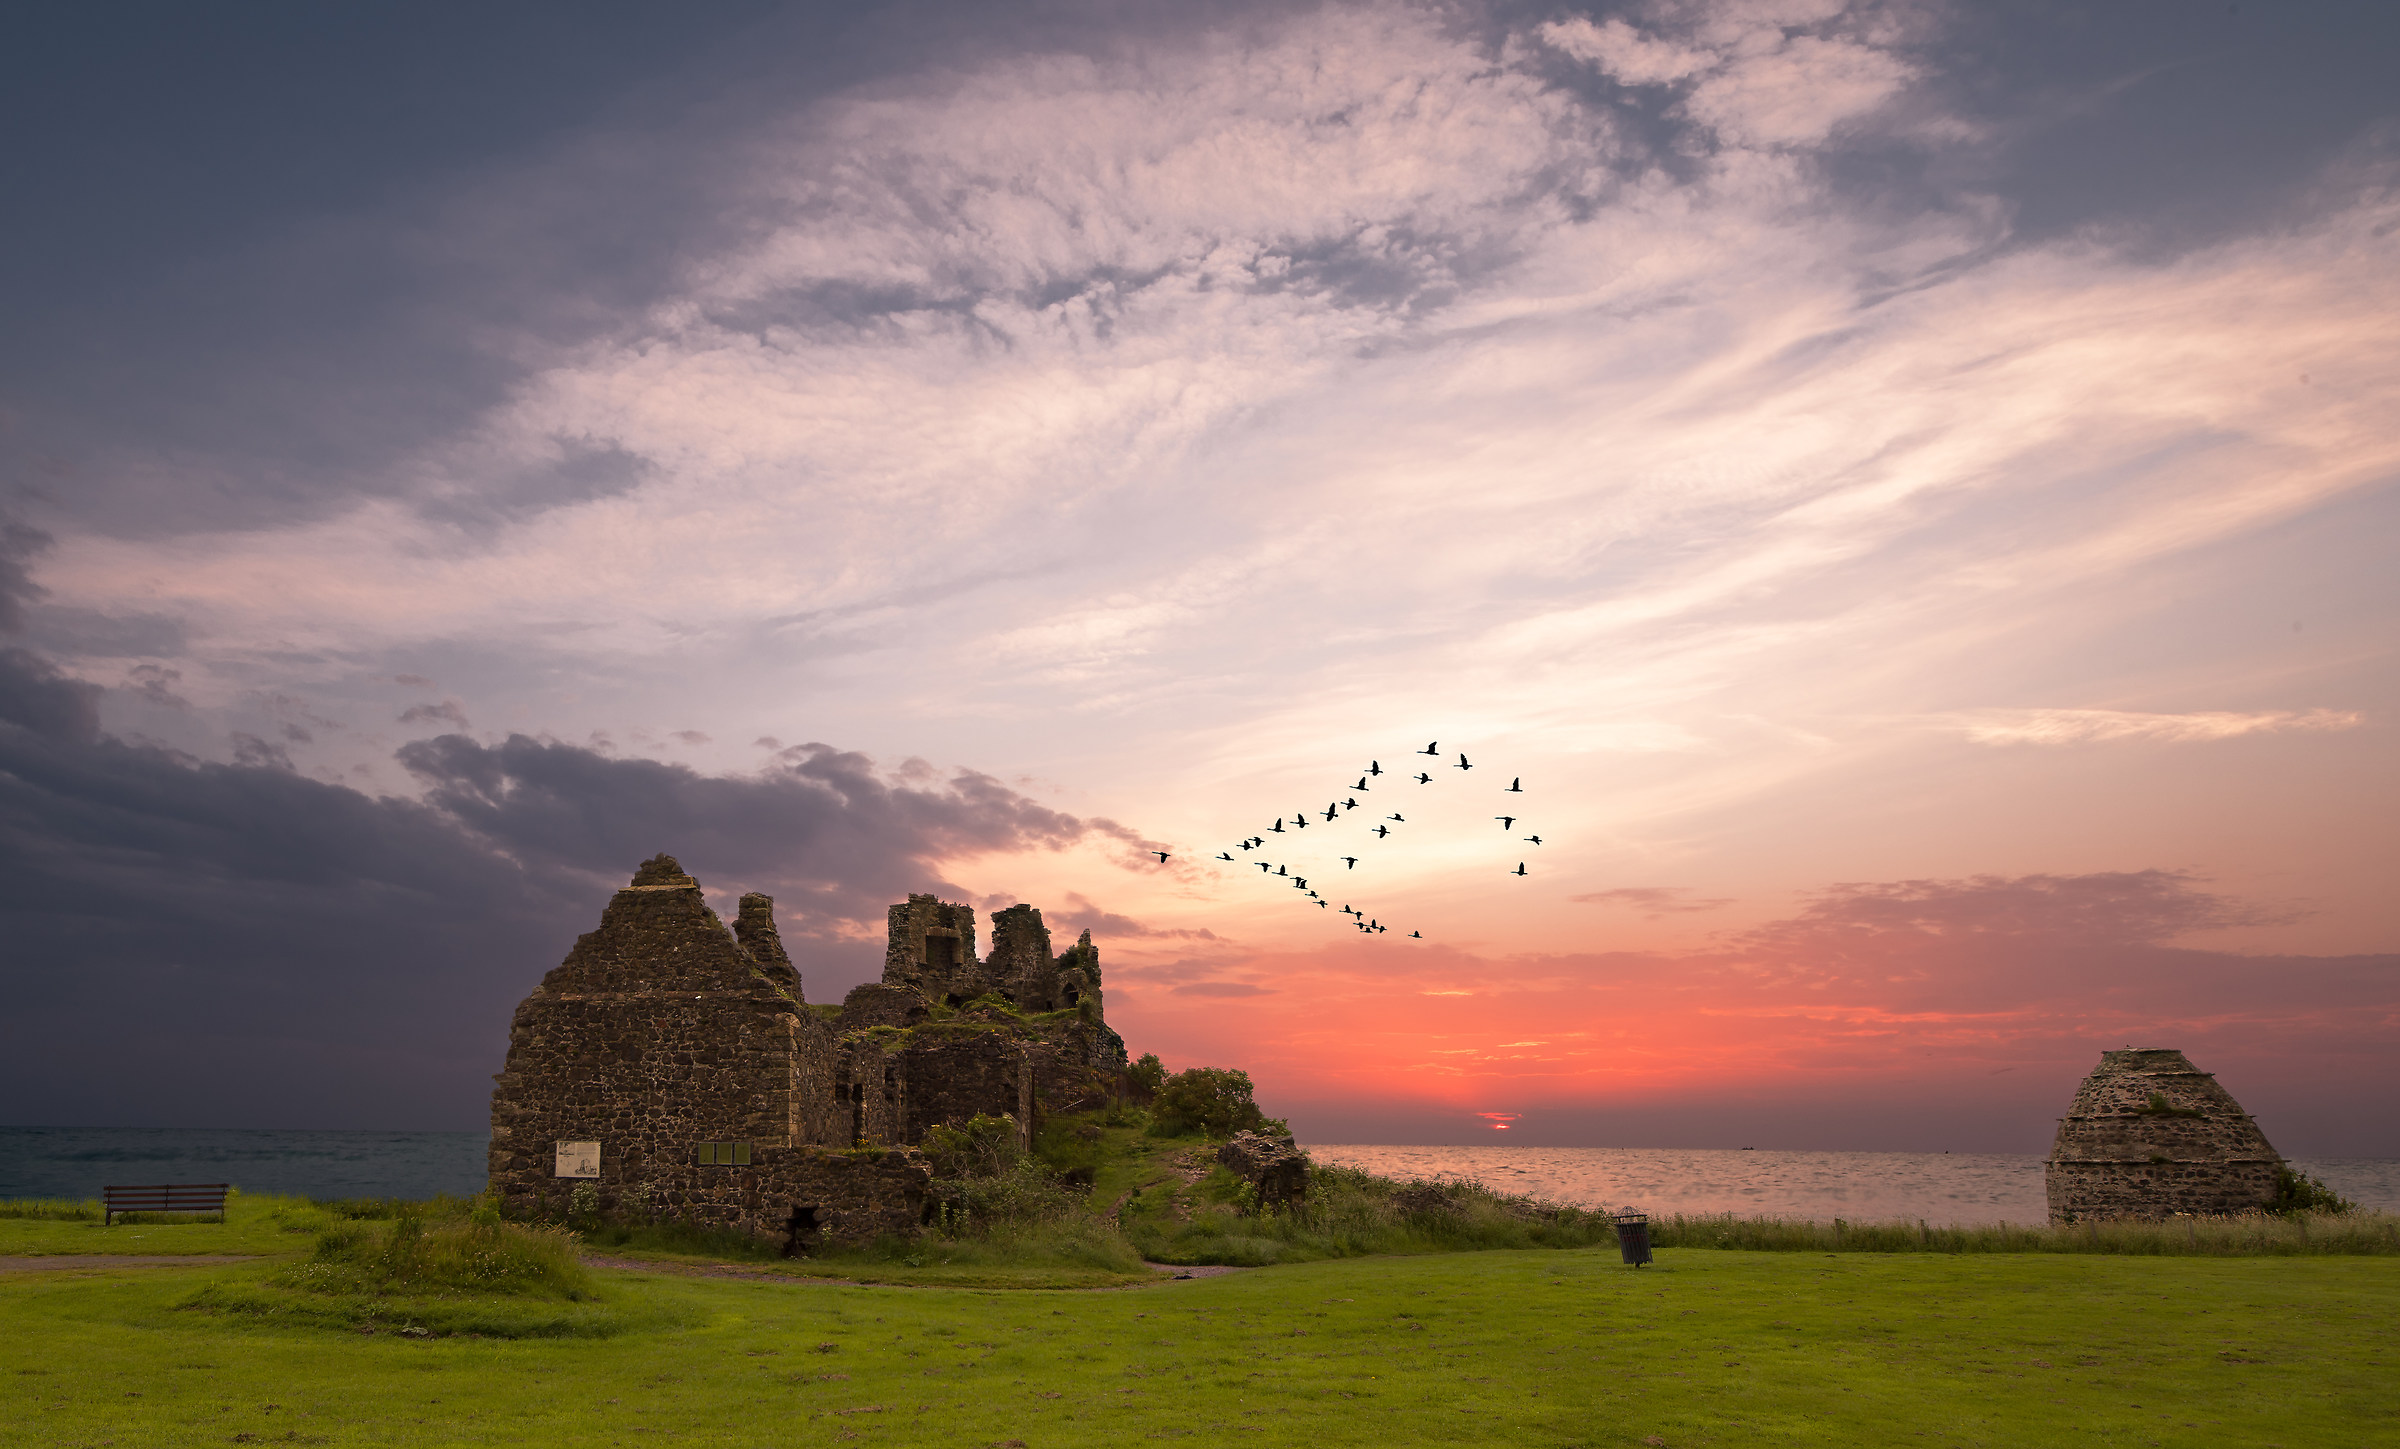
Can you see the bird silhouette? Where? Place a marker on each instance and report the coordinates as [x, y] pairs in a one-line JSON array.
[[1535, 839], [1520, 870], [1395, 815], [1258, 840], [1349, 804], [1162, 856], [1246, 845], [1416, 935], [1320, 900], [1221, 855], [1262, 865], [1382, 831], [1334, 809], [1279, 870], [1462, 763], [1435, 748], [1278, 826], [1507, 822], [1374, 767], [1362, 783], [1300, 882], [1349, 912], [1351, 861], [1515, 786], [1424, 779]]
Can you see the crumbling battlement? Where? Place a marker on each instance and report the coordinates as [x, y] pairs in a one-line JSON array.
[[2149, 1136]]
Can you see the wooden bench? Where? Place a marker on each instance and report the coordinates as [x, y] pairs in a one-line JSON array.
[[171, 1197]]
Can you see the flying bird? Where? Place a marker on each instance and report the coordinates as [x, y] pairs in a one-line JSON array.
[[1278, 826], [1382, 831], [1374, 767], [1349, 912], [1416, 935], [1162, 856], [1279, 870], [1462, 763], [1362, 783], [1332, 810], [1535, 839], [1300, 821], [1300, 882], [1434, 748], [1351, 804], [1507, 822], [1320, 900], [1221, 855], [1520, 870], [1351, 861], [1395, 815], [1515, 786], [1262, 865], [1247, 844], [1424, 779]]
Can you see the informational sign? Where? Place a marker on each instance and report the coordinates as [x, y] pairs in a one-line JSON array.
[[579, 1159]]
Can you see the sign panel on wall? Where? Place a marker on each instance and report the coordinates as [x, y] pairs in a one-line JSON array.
[[579, 1159]]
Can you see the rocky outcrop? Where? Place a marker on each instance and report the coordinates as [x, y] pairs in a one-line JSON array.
[[1275, 1169], [2149, 1136]]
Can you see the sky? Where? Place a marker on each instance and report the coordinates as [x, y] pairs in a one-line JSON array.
[[1907, 491]]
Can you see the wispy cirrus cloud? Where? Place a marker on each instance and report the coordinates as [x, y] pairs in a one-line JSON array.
[[2089, 726]]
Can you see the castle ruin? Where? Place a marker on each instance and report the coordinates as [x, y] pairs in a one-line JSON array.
[[2150, 1136], [671, 1067]]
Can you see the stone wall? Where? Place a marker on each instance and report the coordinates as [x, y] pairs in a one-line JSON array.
[[2148, 1136], [661, 1030]]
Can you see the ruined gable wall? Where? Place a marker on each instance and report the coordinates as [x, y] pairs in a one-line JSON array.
[[930, 949], [659, 1031], [2117, 1157]]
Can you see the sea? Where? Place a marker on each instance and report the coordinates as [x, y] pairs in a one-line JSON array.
[[1938, 1188]]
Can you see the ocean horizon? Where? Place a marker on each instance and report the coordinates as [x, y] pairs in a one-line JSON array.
[[1962, 1188]]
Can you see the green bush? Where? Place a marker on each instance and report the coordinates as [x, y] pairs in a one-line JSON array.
[[1214, 1101], [1147, 1076], [2297, 1192]]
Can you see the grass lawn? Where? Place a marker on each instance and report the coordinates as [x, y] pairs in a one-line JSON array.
[[1501, 1348]]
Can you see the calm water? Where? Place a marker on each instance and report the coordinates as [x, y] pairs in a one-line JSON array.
[[76, 1162], [1863, 1186]]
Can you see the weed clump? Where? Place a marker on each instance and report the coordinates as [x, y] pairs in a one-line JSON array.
[[450, 1258]]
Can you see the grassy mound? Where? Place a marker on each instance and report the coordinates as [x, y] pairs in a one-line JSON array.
[[427, 1277]]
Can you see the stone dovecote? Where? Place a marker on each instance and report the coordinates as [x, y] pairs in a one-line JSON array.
[[2148, 1136]]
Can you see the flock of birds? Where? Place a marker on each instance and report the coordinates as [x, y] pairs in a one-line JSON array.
[[1340, 809]]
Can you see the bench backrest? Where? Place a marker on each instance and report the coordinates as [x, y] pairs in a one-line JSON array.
[[165, 1197]]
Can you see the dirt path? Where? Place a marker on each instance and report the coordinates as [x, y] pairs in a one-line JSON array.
[[1168, 1273], [52, 1262]]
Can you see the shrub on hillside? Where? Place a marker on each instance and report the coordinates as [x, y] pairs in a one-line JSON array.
[[1215, 1101]]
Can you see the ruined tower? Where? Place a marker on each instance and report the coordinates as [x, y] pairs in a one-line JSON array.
[[2148, 1136]]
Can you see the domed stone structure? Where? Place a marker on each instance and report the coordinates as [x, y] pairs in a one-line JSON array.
[[2148, 1136]]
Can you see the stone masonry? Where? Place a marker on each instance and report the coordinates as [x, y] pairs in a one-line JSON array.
[[718, 1096], [2149, 1136]]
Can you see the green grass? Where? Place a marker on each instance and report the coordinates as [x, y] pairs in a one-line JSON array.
[[1495, 1348], [2251, 1235], [253, 1224]]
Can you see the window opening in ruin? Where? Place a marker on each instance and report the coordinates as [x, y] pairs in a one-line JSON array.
[[1073, 996], [941, 951], [722, 1154]]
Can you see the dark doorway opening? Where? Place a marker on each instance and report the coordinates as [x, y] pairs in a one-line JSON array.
[[803, 1231]]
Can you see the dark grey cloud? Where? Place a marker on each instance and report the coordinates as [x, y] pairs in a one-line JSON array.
[[199, 943]]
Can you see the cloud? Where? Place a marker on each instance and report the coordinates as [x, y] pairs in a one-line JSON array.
[[1222, 988], [449, 712], [2090, 726], [270, 948], [1653, 901]]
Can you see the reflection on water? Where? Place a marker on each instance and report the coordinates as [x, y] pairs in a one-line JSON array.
[[1940, 1188]]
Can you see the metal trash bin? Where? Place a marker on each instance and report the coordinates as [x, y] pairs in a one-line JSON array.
[[1633, 1235]]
